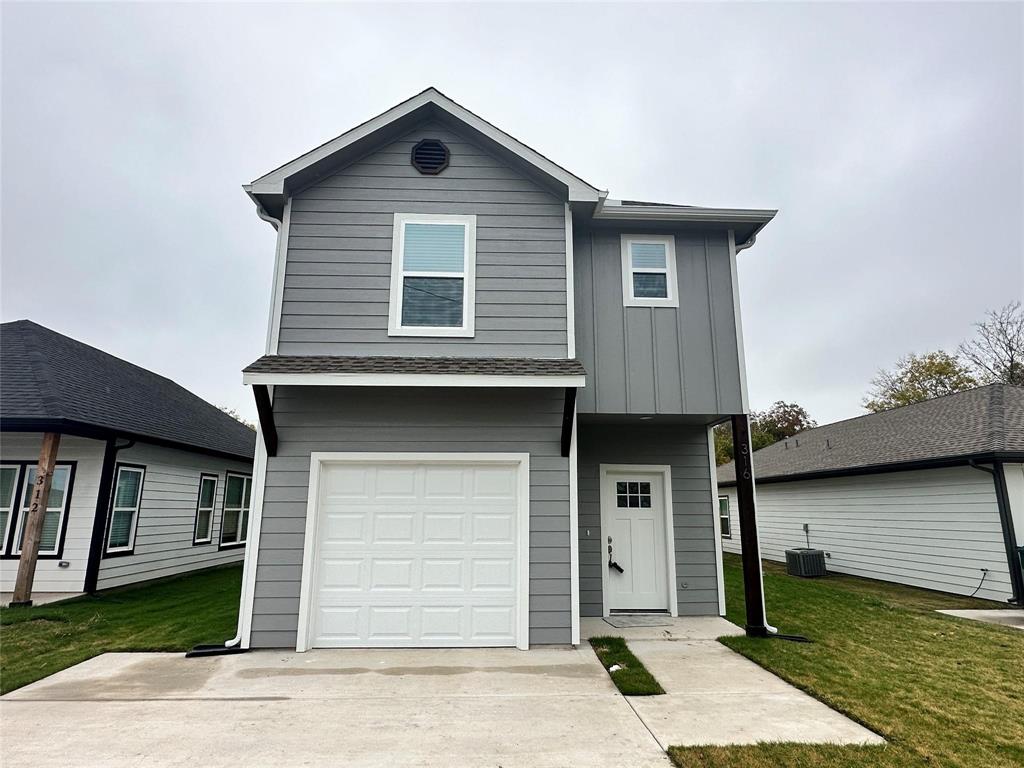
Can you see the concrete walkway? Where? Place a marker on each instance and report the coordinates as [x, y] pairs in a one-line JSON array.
[[1013, 617], [358, 708], [715, 696]]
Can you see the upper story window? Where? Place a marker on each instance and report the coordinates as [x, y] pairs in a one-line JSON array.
[[649, 271], [433, 260]]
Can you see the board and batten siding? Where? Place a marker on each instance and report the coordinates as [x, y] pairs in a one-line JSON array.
[[681, 359], [88, 457], [412, 420], [932, 528], [167, 516], [685, 448], [338, 270]]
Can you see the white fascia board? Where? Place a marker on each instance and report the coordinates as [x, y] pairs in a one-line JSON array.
[[412, 380], [273, 182], [620, 212]]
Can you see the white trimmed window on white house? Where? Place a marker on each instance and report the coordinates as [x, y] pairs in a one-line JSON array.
[[56, 505], [235, 520], [433, 266], [203, 533], [649, 271], [723, 516], [8, 492], [124, 510]]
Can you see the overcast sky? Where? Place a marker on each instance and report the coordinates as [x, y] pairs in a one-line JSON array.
[[889, 136]]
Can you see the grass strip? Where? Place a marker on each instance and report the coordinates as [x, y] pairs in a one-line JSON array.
[[631, 677]]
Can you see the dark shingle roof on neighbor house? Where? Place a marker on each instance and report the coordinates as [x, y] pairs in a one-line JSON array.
[[484, 366], [47, 378], [983, 422]]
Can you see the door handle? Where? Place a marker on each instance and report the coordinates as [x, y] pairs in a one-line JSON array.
[[611, 562]]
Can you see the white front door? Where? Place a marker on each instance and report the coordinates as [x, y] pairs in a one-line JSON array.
[[633, 527], [421, 553]]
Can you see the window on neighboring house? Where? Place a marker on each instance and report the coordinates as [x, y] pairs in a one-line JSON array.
[[235, 520], [432, 275], [56, 505], [723, 516], [204, 509], [124, 511], [649, 271], [8, 491]]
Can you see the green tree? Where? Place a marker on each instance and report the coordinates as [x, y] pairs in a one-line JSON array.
[[917, 378], [780, 421], [997, 350]]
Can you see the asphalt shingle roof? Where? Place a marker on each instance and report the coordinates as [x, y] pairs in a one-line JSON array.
[[513, 366], [980, 421], [47, 376]]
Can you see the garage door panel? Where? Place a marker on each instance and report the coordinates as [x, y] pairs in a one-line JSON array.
[[422, 554]]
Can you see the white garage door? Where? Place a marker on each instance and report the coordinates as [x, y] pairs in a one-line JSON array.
[[417, 554]]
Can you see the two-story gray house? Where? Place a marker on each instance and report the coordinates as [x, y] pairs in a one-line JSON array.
[[486, 400]]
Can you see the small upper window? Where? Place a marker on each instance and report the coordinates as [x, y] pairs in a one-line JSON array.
[[56, 505], [432, 272], [204, 509], [649, 271], [723, 516], [124, 512]]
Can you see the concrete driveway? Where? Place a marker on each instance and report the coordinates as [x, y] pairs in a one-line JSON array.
[[473, 707]]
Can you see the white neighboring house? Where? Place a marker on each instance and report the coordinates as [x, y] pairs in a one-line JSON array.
[[150, 481], [930, 495]]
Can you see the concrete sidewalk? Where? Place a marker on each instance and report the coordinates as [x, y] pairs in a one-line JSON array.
[[715, 696], [361, 708]]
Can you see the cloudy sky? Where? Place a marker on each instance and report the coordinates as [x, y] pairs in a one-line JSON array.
[[889, 136]]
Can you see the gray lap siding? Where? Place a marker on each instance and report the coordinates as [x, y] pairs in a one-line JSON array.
[[412, 420], [683, 447], [338, 270]]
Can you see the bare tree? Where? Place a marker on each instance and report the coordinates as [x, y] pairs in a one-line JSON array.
[[997, 350], [237, 417]]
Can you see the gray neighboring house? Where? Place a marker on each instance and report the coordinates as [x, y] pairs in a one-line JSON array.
[[906, 495], [151, 481], [481, 375]]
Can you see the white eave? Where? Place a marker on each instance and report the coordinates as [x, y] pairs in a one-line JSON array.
[[274, 183]]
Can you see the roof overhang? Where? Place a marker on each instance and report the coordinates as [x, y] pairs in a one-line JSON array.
[[879, 469], [745, 222], [413, 380], [270, 190]]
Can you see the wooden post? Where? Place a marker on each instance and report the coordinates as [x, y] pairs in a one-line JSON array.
[[33, 525], [750, 550]]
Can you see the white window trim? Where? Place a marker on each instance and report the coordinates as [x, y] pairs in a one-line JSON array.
[[316, 461], [468, 277], [13, 513], [200, 508], [628, 299], [243, 533], [130, 546], [606, 502]]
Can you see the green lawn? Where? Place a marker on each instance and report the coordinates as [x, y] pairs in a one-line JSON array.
[[632, 677], [942, 691], [171, 615]]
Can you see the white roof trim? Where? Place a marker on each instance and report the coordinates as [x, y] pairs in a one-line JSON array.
[[413, 380], [273, 182], [615, 209]]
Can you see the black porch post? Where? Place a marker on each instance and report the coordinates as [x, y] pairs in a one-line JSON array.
[[753, 586]]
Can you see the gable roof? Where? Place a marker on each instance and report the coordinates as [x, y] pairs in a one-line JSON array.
[[269, 190], [52, 381], [986, 422]]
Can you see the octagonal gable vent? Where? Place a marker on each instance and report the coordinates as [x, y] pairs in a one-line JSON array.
[[430, 156]]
